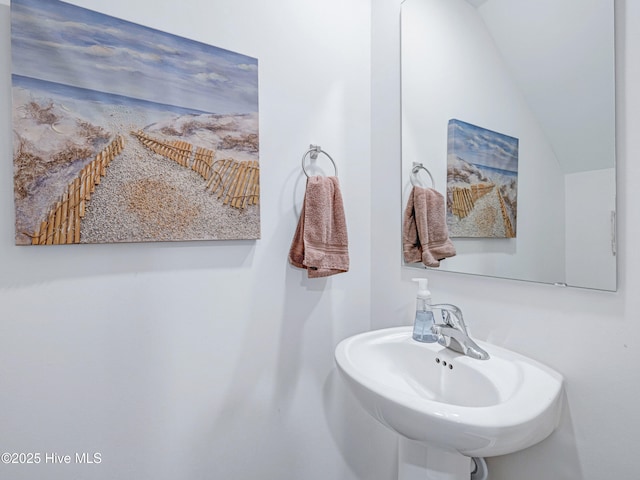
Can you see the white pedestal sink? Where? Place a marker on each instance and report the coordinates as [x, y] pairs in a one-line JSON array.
[[448, 407]]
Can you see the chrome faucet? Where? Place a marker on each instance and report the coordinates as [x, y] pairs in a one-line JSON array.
[[452, 332]]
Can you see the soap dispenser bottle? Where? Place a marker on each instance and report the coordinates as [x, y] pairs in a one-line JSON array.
[[424, 314]]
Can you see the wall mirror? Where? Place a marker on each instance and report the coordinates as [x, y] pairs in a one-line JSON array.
[[510, 106]]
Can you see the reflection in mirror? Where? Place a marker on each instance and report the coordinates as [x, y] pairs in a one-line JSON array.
[[533, 77]]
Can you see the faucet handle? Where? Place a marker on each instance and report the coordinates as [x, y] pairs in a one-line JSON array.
[[452, 316]]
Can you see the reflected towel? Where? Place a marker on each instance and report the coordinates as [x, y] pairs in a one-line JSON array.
[[320, 243], [425, 237]]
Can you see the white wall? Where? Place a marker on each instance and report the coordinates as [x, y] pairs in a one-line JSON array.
[[212, 359], [591, 337]]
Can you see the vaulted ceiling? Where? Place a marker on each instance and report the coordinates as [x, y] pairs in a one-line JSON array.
[[561, 54]]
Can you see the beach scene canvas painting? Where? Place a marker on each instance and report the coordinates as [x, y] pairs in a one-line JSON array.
[[124, 133], [482, 182]]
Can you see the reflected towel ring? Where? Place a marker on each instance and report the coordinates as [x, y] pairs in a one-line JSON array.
[[414, 171], [314, 150]]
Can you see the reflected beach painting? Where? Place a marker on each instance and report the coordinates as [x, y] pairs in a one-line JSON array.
[[482, 182], [123, 133]]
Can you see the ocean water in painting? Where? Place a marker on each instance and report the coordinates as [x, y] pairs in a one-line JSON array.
[[92, 99], [482, 181]]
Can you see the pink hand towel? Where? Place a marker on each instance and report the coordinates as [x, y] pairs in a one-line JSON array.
[[320, 243], [425, 236]]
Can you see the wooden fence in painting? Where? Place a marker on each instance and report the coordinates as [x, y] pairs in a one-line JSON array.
[[203, 162], [62, 223], [508, 227], [178, 151], [464, 198], [237, 183]]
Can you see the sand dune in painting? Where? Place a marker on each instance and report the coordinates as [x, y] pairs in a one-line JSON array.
[[493, 204], [144, 196]]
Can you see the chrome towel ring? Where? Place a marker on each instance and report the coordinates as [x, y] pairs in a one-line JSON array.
[[314, 150], [414, 173]]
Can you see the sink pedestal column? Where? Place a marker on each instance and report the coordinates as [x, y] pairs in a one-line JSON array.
[[417, 461]]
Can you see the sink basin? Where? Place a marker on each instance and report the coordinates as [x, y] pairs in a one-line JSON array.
[[442, 399]]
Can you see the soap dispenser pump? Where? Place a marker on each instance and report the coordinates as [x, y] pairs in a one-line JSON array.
[[424, 314]]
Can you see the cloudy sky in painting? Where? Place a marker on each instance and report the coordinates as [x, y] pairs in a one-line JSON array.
[[480, 146], [62, 43]]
